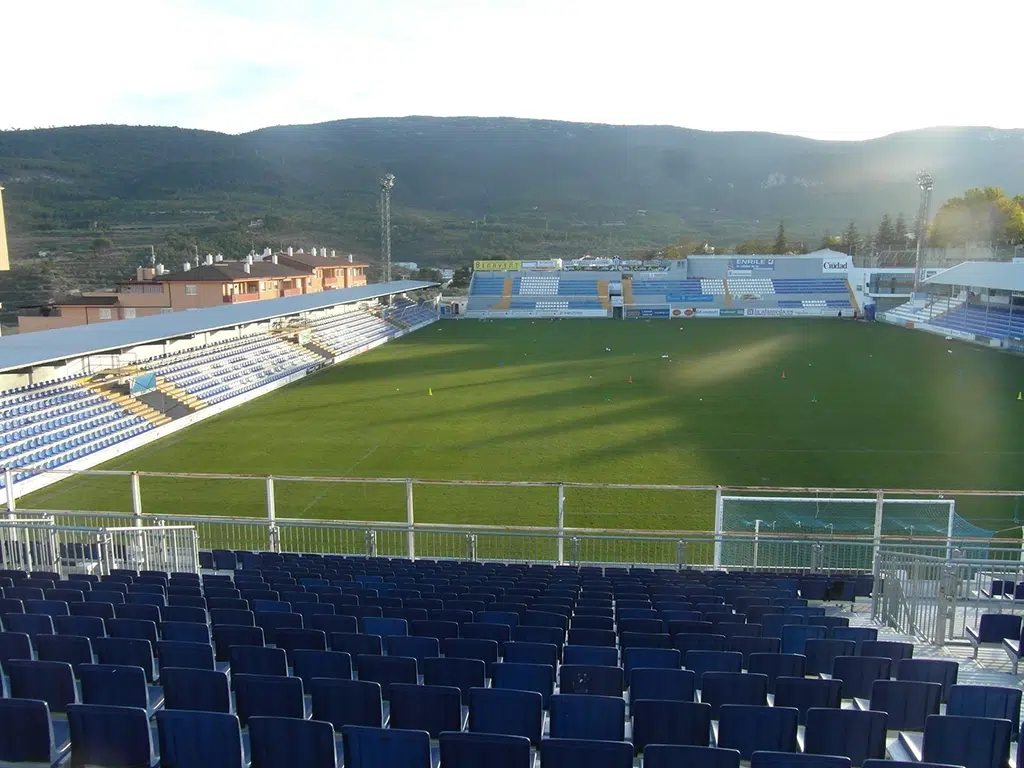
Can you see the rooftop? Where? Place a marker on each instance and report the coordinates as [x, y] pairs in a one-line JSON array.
[[313, 260], [25, 350], [230, 271]]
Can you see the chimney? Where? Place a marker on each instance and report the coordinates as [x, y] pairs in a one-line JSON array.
[[334, 254], [219, 258], [290, 251], [186, 267], [160, 269], [248, 261], [248, 267], [350, 258], [323, 253], [267, 252], [301, 251], [273, 258], [209, 259]]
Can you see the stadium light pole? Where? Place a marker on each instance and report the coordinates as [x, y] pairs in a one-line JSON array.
[[924, 184], [387, 183]]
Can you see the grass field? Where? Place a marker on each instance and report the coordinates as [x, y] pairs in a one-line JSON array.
[[552, 400]]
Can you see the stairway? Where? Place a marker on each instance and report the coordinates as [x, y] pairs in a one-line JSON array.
[[167, 389], [115, 394]]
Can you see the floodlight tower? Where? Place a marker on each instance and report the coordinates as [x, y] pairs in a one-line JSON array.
[[387, 183], [925, 184]]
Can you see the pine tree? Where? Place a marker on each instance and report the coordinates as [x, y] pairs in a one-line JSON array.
[[781, 246], [850, 239], [899, 231], [886, 233]]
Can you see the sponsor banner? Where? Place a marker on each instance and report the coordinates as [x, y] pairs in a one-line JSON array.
[[316, 367], [616, 301], [678, 298], [727, 312], [707, 312], [694, 312], [759, 265], [791, 312], [497, 266], [739, 273], [648, 312], [543, 264], [835, 264]]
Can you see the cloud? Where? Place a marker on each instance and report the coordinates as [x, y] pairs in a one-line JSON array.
[[828, 70]]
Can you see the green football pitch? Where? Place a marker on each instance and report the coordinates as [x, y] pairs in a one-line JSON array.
[[824, 403]]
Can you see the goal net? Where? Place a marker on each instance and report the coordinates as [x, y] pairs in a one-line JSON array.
[[828, 532]]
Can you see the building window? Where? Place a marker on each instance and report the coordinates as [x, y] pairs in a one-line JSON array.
[[105, 314], [165, 310], [129, 313], [191, 290]]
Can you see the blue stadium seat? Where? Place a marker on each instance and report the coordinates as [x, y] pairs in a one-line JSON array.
[[270, 623], [109, 737], [135, 611], [257, 660], [986, 701], [572, 753], [747, 646], [684, 642], [440, 630], [26, 733], [184, 632], [646, 640], [972, 742], [383, 627], [765, 759], [795, 637], [31, 624], [427, 708], [532, 653], [464, 674], [228, 634], [720, 688], [376, 747], [499, 633], [552, 635], [508, 712], [888, 649], [656, 658], [851, 733], [173, 653], [599, 637], [73, 649], [309, 664], [133, 629], [859, 673], [472, 750], [418, 648], [49, 681], [700, 662], [472, 648], [992, 629], [579, 621], [750, 729], [908, 703], [675, 755], [347, 702], [267, 695], [199, 740], [594, 680], [576, 716], [50, 608], [195, 690], [803, 694], [185, 614], [594, 655], [662, 684], [386, 670], [277, 741], [122, 650], [82, 626], [96, 610], [525, 677], [941, 671], [821, 653], [356, 644], [670, 722], [118, 686]]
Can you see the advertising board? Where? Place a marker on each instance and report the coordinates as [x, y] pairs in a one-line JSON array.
[[497, 266], [835, 264]]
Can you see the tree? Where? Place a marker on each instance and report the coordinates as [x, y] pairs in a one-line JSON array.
[[899, 232], [886, 236], [850, 239], [754, 248], [830, 241], [781, 246], [982, 215], [100, 244]]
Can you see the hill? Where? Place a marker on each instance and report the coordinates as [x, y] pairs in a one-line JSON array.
[[472, 187]]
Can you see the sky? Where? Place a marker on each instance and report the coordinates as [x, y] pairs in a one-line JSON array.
[[826, 70]]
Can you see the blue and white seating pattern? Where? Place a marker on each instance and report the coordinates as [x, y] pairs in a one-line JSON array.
[[348, 332], [312, 658]]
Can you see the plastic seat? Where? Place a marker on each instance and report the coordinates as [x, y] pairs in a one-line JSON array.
[[971, 742], [31, 624], [700, 662], [270, 623], [469, 648], [499, 633], [888, 649], [821, 653], [199, 739], [657, 658], [267, 695], [73, 649], [195, 690], [96, 610], [82, 626], [859, 635], [507, 712], [531, 653], [859, 673], [386, 670], [721, 688], [292, 640], [750, 729], [174, 653], [941, 671], [471, 750], [427, 708], [986, 701], [525, 677], [418, 648], [117, 685], [662, 684], [795, 637], [598, 637], [109, 737], [598, 717], [185, 632], [26, 733], [133, 629], [593, 680], [803, 694], [383, 627], [347, 702], [908, 703], [858, 735], [277, 741], [765, 759], [257, 660], [747, 646], [685, 642], [227, 635], [572, 753], [670, 722], [309, 664], [464, 674], [49, 681], [135, 611], [675, 755], [376, 747], [47, 607], [552, 635], [123, 650]]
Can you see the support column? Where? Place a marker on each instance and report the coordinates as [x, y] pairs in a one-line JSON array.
[[137, 498], [719, 514], [410, 519], [561, 524], [9, 492], [273, 535], [876, 550]]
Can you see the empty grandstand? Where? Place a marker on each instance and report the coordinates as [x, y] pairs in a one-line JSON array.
[[76, 397]]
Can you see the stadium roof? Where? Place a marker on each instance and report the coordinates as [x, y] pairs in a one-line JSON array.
[[994, 275], [28, 349]]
